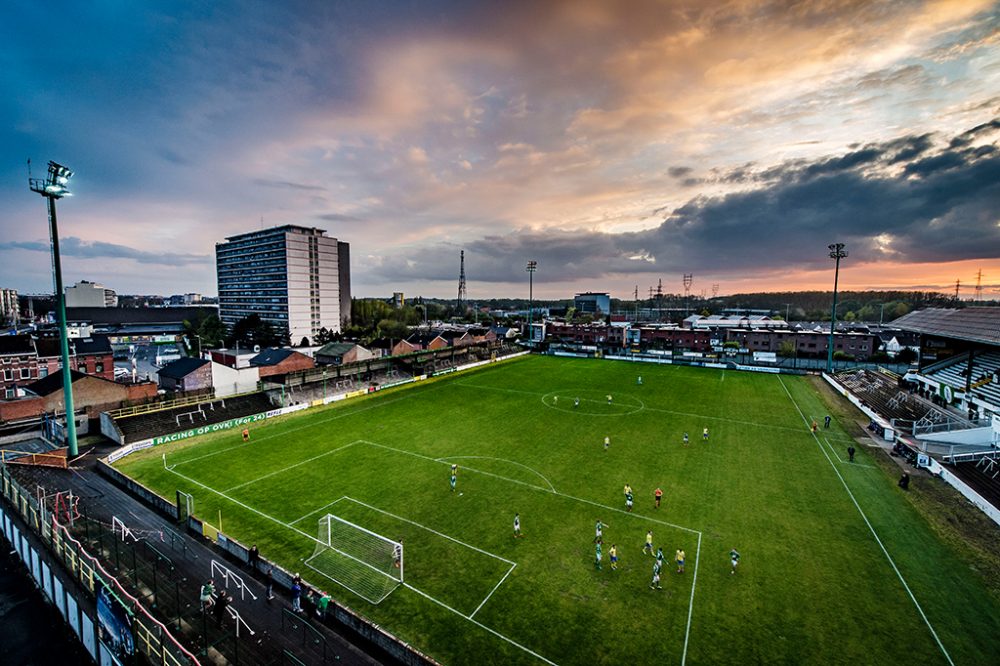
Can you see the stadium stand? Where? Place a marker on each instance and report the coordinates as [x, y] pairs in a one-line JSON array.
[[154, 423], [985, 372], [983, 476], [884, 394]]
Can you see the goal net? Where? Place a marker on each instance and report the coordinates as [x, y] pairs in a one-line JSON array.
[[366, 563]]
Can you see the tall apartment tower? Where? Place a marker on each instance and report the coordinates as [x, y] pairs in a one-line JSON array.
[[296, 278]]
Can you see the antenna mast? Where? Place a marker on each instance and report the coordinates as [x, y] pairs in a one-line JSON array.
[[461, 284]]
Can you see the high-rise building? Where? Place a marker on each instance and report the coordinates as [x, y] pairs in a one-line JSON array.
[[86, 294], [296, 278], [593, 302], [9, 312]]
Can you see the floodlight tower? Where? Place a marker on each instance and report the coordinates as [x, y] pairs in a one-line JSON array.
[[461, 284], [837, 252], [531, 268], [55, 186], [688, 279]]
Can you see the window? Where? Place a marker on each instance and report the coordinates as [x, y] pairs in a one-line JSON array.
[[82, 367], [9, 393], [25, 373], [99, 367], [43, 371], [8, 375]]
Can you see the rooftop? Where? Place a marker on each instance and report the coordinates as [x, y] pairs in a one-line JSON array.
[[977, 324], [181, 368]]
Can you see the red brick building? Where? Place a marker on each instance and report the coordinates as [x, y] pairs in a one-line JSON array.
[[95, 394], [281, 362]]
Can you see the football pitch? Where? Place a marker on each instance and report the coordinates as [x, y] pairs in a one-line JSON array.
[[836, 566]]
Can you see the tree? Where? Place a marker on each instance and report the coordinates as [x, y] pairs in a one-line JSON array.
[[251, 330], [786, 349], [304, 342], [906, 355], [324, 336]]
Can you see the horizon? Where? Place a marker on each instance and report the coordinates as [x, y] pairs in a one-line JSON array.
[[616, 143]]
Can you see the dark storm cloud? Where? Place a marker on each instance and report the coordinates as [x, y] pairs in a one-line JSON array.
[[940, 207], [74, 247]]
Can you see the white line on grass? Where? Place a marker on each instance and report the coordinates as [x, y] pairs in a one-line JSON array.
[[325, 506], [841, 460], [697, 556], [870, 527], [285, 469], [531, 485], [642, 406], [481, 625], [495, 588], [448, 458], [413, 522], [284, 432], [406, 585], [440, 461]]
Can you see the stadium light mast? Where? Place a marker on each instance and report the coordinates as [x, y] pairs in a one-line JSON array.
[[837, 252], [55, 186], [531, 268]]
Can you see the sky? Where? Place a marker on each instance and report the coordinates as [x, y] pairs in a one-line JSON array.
[[615, 143]]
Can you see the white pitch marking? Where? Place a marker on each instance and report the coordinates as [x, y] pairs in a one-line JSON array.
[[551, 487], [872, 529], [285, 469]]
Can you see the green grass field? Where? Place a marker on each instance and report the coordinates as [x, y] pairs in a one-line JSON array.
[[837, 566]]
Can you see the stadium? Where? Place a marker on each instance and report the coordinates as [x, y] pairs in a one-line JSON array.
[[444, 506]]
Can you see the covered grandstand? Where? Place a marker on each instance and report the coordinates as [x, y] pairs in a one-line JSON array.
[[959, 370]]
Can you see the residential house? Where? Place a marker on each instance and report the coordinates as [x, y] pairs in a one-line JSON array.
[[275, 361], [339, 353]]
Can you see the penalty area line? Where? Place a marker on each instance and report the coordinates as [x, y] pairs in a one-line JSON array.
[[480, 625], [870, 527]]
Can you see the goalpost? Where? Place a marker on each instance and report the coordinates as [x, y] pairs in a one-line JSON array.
[[368, 564]]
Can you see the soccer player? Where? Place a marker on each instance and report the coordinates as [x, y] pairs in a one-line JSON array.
[[628, 501], [658, 495], [607, 443], [614, 556], [627, 490], [517, 526], [734, 558], [576, 403], [246, 434], [704, 434], [814, 426], [826, 421], [679, 558], [397, 553], [686, 440], [453, 479], [655, 584], [648, 548], [599, 532], [555, 400], [609, 398], [639, 382], [597, 556]]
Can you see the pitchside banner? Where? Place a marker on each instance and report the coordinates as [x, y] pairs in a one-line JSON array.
[[114, 627], [214, 427]]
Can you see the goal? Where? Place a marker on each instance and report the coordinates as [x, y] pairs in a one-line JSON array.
[[366, 563]]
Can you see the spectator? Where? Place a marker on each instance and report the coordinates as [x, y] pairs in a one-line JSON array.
[[220, 607], [270, 583], [207, 597], [904, 481], [321, 605], [850, 453], [253, 557], [296, 596]]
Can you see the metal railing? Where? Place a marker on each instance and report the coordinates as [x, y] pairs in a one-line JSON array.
[[151, 636]]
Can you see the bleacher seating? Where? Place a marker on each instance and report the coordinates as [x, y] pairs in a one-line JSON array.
[[883, 395], [984, 366], [168, 421], [983, 477]]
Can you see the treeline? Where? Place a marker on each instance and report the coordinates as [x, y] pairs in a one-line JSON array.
[[871, 306]]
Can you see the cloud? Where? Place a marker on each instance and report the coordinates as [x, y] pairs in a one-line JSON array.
[[284, 184], [914, 199], [72, 246]]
